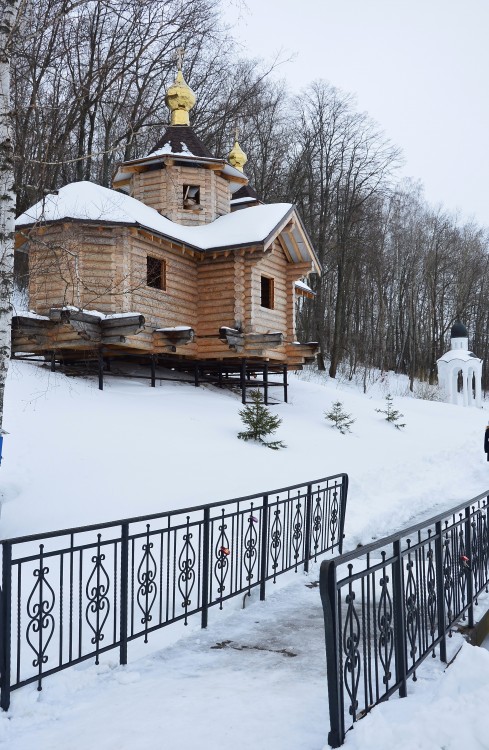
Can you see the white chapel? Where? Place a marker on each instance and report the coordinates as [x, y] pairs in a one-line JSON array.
[[460, 370]]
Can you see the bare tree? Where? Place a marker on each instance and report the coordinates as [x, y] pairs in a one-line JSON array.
[[343, 161]]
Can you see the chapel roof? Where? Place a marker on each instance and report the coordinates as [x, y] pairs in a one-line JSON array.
[[459, 331], [460, 355], [90, 203], [181, 140]]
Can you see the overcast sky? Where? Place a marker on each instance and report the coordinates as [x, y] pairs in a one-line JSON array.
[[420, 68]]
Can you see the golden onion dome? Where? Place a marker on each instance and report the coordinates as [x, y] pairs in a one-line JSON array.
[[180, 99], [237, 157]]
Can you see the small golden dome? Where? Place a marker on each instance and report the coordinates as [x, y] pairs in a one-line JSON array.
[[237, 157], [180, 99]]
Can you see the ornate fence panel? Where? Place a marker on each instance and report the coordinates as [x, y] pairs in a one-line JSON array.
[[393, 603], [71, 595]]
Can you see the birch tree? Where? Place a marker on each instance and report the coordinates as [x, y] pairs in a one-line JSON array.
[[9, 9]]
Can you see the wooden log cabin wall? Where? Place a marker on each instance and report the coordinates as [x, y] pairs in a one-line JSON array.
[[180, 259]]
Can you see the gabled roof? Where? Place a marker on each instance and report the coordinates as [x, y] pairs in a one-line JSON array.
[[88, 202]]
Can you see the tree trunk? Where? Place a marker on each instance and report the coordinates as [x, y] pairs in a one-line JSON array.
[[7, 195], [338, 326]]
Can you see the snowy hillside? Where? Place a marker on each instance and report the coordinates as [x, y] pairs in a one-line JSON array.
[[76, 455], [254, 678]]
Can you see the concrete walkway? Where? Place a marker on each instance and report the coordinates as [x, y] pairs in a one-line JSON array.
[[255, 679]]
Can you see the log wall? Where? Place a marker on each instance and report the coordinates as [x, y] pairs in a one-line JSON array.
[[261, 319], [216, 304], [105, 268], [163, 308], [74, 264], [162, 189]]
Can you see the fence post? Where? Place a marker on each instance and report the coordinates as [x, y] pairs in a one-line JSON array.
[[100, 371], [344, 496], [307, 540], [440, 591], [205, 566], [399, 624], [469, 571], [124, 592], [327, 588], [264, 548], [5, 625]]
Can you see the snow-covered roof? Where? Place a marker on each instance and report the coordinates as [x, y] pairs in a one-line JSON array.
[[71, 308], [249, 199], [167, 149], [172, 329], [181, 143], [30, 314], [304, 287], [86, 201], [461, 354]]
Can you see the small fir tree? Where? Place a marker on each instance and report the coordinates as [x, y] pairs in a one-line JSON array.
[[260, 422], [392, 415], [340, 419]]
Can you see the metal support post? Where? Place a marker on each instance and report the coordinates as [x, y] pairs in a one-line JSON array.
[[242, 381], [265, 383], [100, 371]]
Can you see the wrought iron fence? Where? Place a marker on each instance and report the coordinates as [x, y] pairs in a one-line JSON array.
[[392, 603], [71, 595]]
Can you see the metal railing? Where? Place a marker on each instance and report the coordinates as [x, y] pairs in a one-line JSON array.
[[71, 595], [388, 605]]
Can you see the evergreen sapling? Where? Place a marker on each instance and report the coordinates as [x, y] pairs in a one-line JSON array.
[[341, 420], [260, 422], [392, 415]]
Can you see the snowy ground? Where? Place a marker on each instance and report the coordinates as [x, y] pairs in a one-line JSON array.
[[75, 455]]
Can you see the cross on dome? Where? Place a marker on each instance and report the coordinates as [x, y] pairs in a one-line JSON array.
[[180, 53], [180, 98]]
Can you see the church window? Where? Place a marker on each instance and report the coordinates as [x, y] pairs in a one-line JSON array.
[[155, 273], [267, 292], [191, 196]]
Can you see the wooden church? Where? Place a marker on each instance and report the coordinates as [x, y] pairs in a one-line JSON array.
[[180, 261]]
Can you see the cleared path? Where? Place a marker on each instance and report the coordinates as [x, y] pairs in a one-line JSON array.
[[254, 679]]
